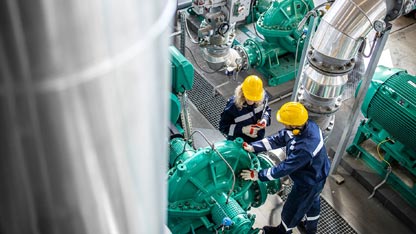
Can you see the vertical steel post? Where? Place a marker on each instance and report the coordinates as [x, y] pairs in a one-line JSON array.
[[375, 57]]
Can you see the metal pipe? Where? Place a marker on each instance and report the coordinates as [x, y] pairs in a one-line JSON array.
[[341, 29], [77, 154], [332, 54]]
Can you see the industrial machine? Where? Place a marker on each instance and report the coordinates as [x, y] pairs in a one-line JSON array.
[[341, 37], [276, 54], [205, 192], [182, 72], [385, 140], [274, 43]]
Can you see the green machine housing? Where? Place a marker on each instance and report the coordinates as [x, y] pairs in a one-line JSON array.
[[182, 73], [277, 55], [389, 130], [206, 192]]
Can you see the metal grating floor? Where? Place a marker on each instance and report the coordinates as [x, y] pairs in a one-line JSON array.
[[202, 96], [329, 222], [211, 106]]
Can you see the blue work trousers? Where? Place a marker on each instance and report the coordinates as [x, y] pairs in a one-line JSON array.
[[302, 201]]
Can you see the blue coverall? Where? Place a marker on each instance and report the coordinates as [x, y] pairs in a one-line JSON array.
[[233, 120], [307, 164]]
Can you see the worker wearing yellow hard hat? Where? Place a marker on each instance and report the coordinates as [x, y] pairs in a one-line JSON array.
[[246, 113], [293, 115], [306, 163]]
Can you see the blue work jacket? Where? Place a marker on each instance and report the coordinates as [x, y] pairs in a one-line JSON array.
[[233, 120], [306, 162]]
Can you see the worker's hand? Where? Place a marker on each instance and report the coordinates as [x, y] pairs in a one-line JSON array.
[[250, 130], [247, 147], [249, 175], [262, 123]]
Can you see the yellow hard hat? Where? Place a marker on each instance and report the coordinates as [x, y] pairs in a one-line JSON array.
[[293, 114], [252, 88]]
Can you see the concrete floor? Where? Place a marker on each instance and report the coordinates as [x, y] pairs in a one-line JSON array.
[[349, 199]]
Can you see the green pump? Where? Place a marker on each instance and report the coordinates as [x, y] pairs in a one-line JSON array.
[[275, 55], [206, 193]]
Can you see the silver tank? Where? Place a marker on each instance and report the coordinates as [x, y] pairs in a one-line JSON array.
[[83, 103]]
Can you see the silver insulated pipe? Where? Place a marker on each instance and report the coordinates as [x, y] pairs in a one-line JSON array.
[[331, 56], [84, 90]]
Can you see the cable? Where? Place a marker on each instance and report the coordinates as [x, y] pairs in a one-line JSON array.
[[222, 157], [196, 63], [389, 169], [378, 151], [232, 172], [312, 12], [187, 29], [376, 36], [381, 183]]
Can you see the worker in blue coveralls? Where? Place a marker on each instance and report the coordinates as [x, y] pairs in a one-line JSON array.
[[247, 113], [306, 163]]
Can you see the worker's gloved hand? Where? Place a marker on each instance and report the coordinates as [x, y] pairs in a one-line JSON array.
[[250, 130], [262, 123], [247, 147], [249, 175]]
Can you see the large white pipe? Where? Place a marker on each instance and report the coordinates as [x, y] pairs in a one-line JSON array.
[[84, 90]]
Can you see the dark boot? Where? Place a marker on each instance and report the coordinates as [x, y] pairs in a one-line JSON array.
[[301, 227], [275, 230], [270, 230]]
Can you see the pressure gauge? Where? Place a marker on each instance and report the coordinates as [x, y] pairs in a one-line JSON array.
[[379, 25]]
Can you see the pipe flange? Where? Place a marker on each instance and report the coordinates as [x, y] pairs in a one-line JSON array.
[[244, 57], [257, 52], [330, 68], [257, 194]]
